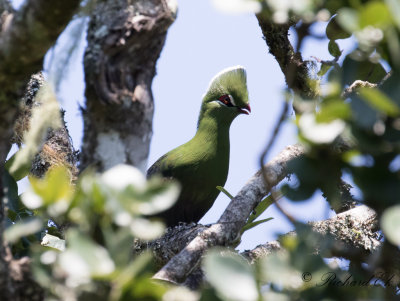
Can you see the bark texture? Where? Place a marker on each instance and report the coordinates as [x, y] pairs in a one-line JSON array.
[[25, 37], [57, 148], [293, 67], [125, 39], [352, 233]]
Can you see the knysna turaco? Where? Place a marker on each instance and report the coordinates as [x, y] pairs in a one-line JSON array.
[[202, 163]]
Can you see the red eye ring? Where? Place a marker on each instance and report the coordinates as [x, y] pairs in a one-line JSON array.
[[225, 99]]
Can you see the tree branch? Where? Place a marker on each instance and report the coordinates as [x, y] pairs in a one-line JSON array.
[[125, 39], [291, 62], [57, 148], [350, 235], [227, 229], [353, 234]]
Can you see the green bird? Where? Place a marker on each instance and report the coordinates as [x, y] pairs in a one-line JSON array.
[[202, 163]]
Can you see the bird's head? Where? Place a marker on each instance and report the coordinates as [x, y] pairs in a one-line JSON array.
[[227, 93]]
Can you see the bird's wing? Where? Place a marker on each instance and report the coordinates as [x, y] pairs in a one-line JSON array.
[[165, 166], [177, 164], [156, 168]]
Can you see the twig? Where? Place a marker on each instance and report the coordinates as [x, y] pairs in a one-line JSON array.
[[364, 84], [356, 85]]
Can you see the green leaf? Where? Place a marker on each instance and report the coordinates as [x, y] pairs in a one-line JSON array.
[[117, 241], [320, 133], [16, 209], [12, 215], [354, 69], [231, 276], [394, 7], [277, 268], [145, 288], [334, 49], [161, 196], [23, 228], [261, 207], [334, 109], [380, 101], [222, 189], [390, 223], [182, 293], [375, 14], [145, 229], [249, 226], [127, 278], [93, 259], [334, 31], [56, 186], [362, 113], [54, 242], [348, 19], [324, 69], [12, 191], [22, 171]]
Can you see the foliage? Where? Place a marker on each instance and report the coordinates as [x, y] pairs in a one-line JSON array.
[[94, 256], [351, 128]]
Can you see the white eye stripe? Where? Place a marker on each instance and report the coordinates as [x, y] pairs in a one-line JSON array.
[[232, 100], [220, 102]]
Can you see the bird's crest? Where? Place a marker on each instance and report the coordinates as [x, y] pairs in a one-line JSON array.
[[231, 81]]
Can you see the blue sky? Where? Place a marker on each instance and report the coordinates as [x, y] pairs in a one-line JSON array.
[[199, 44]]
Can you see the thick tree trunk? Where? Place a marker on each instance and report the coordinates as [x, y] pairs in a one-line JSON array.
[[125, 39]]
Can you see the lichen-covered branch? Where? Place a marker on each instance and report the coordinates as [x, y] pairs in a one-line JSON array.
[[227, 229], [125, 39], [357, 85], [57, 149], [353, 234], [294, 68]]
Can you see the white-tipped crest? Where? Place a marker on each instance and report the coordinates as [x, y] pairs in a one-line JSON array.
[[234, 69], [230, 81]]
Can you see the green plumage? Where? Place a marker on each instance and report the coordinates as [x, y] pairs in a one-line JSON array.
[[202, 163]]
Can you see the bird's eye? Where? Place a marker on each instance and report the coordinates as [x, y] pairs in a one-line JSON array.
[[226, 100]]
